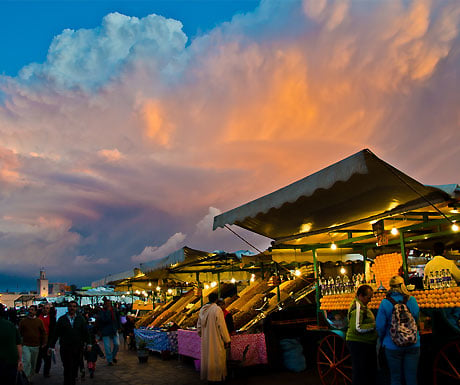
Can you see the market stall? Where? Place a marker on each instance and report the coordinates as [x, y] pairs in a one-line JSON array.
[[361, 209]]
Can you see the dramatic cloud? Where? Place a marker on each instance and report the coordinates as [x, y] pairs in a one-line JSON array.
[[88, 58], [156, 252], [126, 135], [84, 260]]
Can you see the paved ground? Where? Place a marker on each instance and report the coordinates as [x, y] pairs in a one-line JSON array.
[[172, 372]]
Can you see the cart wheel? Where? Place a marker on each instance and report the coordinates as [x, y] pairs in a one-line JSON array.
[[446, 367], [334, 361]]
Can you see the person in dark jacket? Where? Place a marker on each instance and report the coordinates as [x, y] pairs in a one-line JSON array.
[[48, 317], [403, 361], [109, 325], [362, 337], [227, 316], [10, 350], [72, 332]]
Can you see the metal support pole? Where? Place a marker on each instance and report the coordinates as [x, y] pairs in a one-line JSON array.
[[278, 294], [199, 287], [315, 271], [218, 284], [404, 258]]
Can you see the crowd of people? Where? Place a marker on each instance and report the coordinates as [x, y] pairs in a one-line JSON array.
[[28, 343], [395, 327]]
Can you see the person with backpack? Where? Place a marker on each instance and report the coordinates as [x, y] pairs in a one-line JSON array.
[[362, 337], [397, 319]]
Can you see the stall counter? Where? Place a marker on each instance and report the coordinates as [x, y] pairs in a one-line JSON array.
[[189, 344]]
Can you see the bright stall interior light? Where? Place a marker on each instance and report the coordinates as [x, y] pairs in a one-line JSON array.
[[213, 284], [123, 296], [146, 295], [138, 292], [297, 273], [342, 270], [128, 292], [253, 277], [169, 291], [150, 284], [333, 246], [394, 231], [455, 227], [158, 288], [233, 280], [206, 286]]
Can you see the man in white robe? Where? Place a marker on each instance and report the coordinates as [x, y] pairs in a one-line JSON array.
[[214, 339]]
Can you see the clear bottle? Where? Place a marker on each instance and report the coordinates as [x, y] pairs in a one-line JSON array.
[[438, 279], [426, 282], [443, 278], [331, 285], [431, 281], [346, 284], [449, 282]]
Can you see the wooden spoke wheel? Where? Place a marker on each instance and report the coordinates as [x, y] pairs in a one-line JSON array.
[[446, 367], [334, 361]]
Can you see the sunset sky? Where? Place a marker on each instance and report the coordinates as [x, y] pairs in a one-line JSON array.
[[126, 126]]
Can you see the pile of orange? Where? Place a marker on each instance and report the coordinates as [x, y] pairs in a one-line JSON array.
[[337, 301], [430, 299], [438, 298], [385, 267]]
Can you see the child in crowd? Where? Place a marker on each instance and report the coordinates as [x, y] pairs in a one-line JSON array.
[[91, 356]]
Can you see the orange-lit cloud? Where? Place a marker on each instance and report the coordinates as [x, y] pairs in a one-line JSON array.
[[176, 133]]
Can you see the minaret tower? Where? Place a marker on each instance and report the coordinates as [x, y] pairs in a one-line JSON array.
[[42, 284]]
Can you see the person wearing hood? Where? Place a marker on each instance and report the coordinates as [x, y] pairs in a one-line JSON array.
[[402, 360], [361, 338], [214, 341]]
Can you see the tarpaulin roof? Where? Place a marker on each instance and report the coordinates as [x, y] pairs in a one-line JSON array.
[[178, 256], [360, 187]]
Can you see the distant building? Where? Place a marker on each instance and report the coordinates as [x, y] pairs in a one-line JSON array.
[[57, 287], [42, 285]]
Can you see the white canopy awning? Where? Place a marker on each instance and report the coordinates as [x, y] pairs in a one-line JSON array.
[[359, 187]]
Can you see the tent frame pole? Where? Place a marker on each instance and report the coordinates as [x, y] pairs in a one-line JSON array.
[[315, 271]]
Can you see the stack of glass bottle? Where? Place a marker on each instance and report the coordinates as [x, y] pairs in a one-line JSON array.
[[343, 284], [438, 279]]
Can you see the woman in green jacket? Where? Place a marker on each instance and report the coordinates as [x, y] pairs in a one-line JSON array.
[[361, 338]]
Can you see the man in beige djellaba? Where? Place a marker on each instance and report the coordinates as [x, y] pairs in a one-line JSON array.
[[214, 340]]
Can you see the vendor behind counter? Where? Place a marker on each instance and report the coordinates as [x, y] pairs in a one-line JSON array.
[[440, 262]]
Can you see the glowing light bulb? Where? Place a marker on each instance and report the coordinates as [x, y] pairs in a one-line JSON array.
[[333, 246], [128, 292], [297, 273], [455, 227], [169, 291], [233, 280], [158, 288], [213, 284], [123, 296], [138, 292], [253, 277], [150, 284], [342, 270], [206, 286], [394, 231], [146, 295]]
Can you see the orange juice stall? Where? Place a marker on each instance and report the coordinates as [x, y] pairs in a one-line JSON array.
[[359, 221]]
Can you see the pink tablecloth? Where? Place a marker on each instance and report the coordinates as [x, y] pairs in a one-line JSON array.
[[189, 344]]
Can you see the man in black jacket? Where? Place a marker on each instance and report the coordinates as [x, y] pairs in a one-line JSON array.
[[72, 332]]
